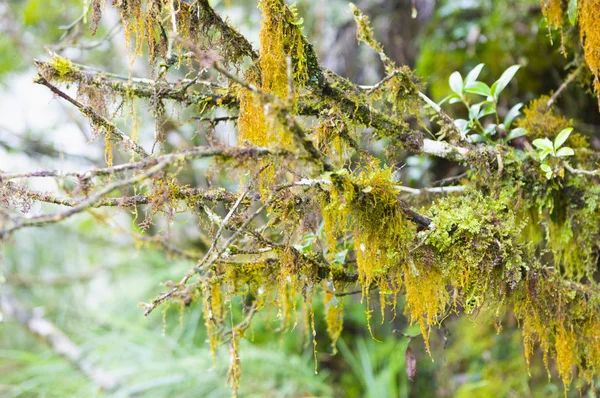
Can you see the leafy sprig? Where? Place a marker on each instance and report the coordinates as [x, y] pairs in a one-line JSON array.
[[553, 149], [473, 128]]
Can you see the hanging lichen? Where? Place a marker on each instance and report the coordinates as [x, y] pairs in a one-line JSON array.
[[426, 297], [589, 20], [97, 7], [553, 12], [280, 39], [287, 287], [586, 13], [334, 314], [213, 315], [108, 150], [365, 34], [252, 123], [365, 203]]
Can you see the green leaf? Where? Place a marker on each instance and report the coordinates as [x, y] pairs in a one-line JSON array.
[[446, 98], [477, 138], [562, 137], [511, 115], [454, 99], [456, 83], [474, 111], [494, 88], [547, 169], [340, 257], [544, 154], [543, 144], [489, 109], [516, 133], [473, 75], [572, 12], [504, 80], [462, 125], [490, 129], [479, 88], [566, 151]]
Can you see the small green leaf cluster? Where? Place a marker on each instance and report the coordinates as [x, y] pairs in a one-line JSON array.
[[554, 149], [473, 128]]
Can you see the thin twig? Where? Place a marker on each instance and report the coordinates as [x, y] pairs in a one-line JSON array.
[[228, 216], [450, 179], [580, 171], [564, 85], [83, 205], [186, 154], [372, 89], [419, 191], [126, 201], [205, 264], [109, 127]]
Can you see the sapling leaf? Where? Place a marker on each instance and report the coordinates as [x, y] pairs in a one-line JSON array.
[[488, 110], [490, 129], [504, 80], [474, 110], [462, 124], [572, 12], [475, 138], [546, 169], [562, 137], [456, 83], [566, 151], [473, 75], [479, 88], [511, 115], [516, 133], [543, 144], [544, 154], [493, 90]]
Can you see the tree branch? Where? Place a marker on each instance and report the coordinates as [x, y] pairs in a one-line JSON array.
[[84, 204], [96, 119]]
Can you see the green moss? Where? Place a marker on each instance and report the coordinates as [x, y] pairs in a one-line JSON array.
[[542, 121], [62, 66], [366, 204], [59, 69]]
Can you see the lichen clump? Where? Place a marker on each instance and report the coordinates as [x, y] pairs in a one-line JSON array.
[[541, 120], [280, 38], [59, 69], [587, 16], [589, 20], [366, 205], [553, 12]]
